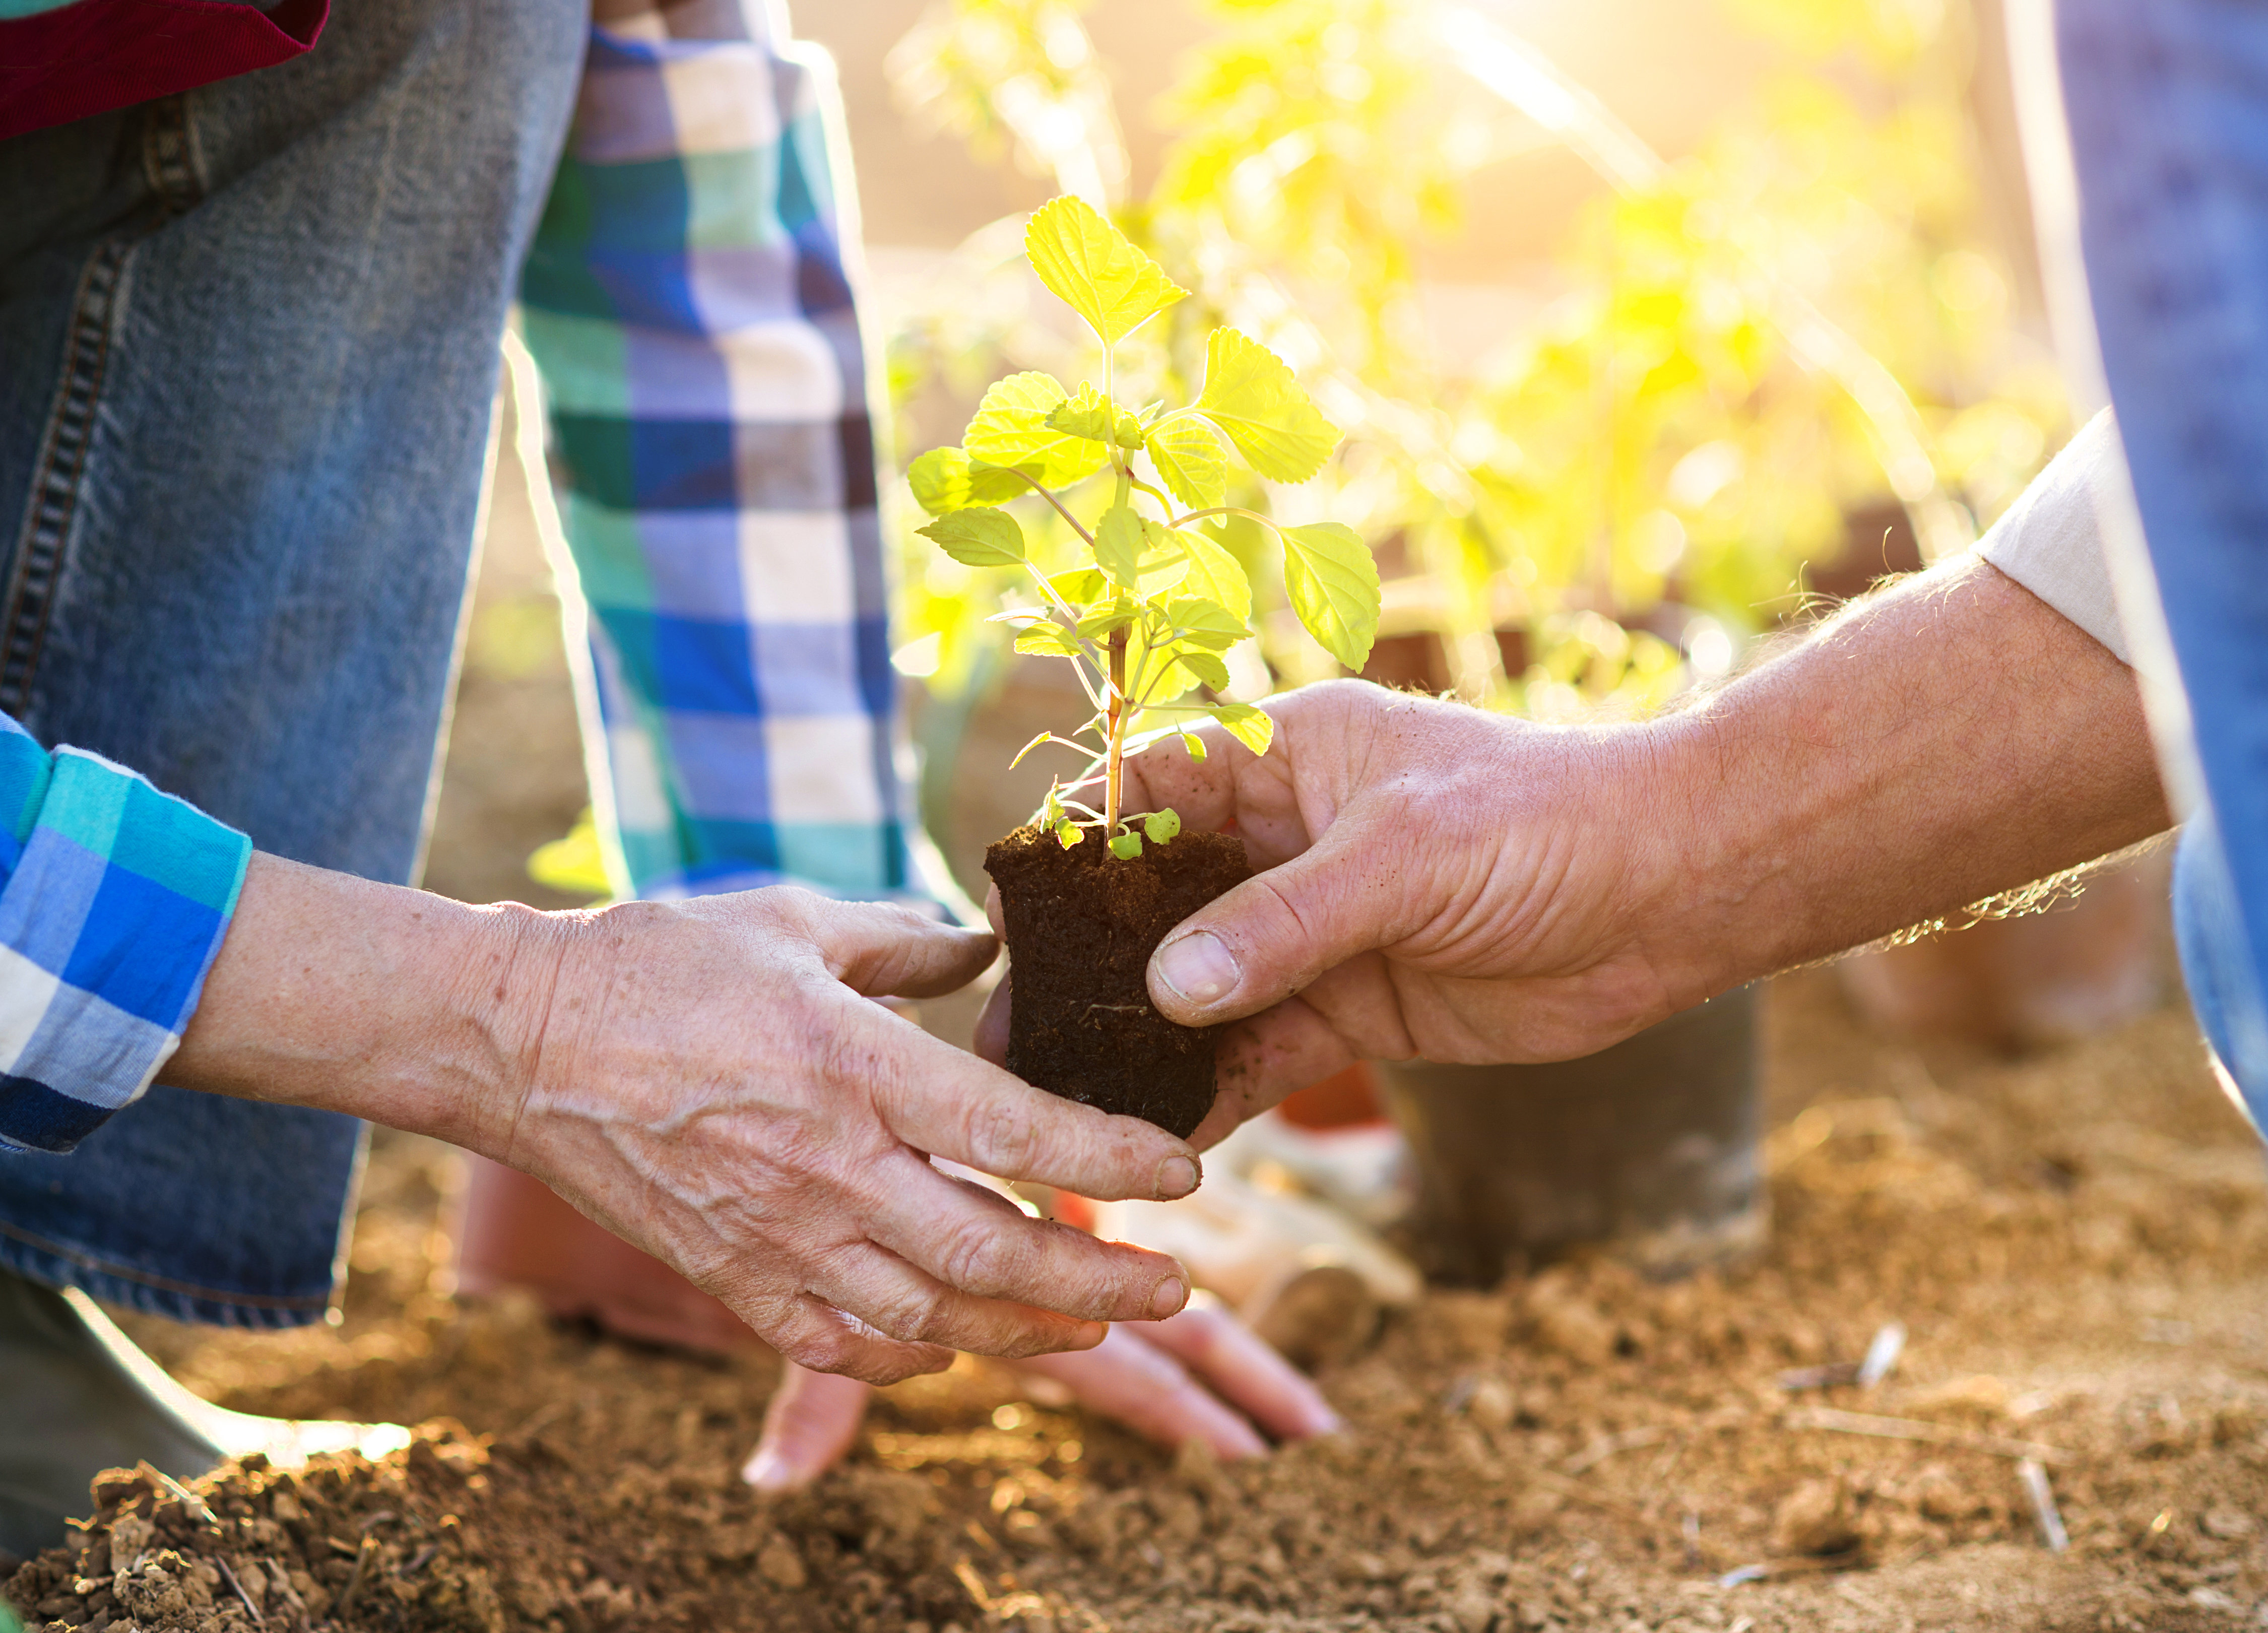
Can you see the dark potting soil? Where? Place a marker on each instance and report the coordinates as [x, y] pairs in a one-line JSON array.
[[1082, 924]]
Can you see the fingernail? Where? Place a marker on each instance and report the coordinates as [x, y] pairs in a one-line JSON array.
[[1172, 1294], [1177, 1177], [1198, 968], [769, 1471]]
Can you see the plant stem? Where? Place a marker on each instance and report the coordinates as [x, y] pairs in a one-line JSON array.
[[1118, 713]]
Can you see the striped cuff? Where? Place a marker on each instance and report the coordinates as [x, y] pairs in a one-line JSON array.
[[116, 901]]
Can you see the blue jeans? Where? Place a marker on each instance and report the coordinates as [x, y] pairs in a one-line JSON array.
[[2169, 108], [247, 351]]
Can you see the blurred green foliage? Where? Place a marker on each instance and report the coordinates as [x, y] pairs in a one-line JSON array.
[[1625, 484]]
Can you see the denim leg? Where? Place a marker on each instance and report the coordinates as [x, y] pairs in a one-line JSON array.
[[2168, 108], [251, 339]]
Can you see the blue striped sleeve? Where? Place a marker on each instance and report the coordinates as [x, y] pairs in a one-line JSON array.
[[114, 900]]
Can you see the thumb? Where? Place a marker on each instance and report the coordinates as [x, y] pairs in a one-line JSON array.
[[1276, 932], [810, 1423], [884, 951]]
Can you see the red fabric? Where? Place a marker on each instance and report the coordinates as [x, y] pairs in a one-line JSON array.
[[94, 55]]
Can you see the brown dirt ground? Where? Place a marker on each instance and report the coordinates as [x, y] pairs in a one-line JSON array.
[[2077, 1243]]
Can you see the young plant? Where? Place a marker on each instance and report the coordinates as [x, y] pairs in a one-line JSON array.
[[1146, 618]]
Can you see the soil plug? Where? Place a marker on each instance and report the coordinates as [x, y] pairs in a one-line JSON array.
[[1147, 603]]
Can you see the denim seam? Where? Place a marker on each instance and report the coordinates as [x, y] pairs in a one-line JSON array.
[[93, 1265], [56, 479], [171, 164]]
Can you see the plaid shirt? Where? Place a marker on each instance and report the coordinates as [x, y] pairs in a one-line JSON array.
[[687, 303], [114, 900]]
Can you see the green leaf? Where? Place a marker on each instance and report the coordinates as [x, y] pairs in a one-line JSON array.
[[1207, 669], [1096, 272], [1121, 539], [1214, 573], [1162, 826], [1051, 811], [1333, 584], [1069, 832], [978, 538], [1102, 621], [1046, 639], [1079, 585], [1088, 416], [1195, 744], [1205, 623], [1027, 749], [1249, 726], [1129, 432], [1011, 428], [1126, 846], [1250, 394], [946, 479], [1191, 461]]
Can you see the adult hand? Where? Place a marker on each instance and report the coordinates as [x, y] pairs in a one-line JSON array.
[[710, 1080], [1201, 1375], [1425, 885], [1472, 887]]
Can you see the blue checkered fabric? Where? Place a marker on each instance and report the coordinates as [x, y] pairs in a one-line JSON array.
[[113, 899], [688, 306]]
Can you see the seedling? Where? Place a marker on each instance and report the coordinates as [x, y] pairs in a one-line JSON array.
[[1146, 619]]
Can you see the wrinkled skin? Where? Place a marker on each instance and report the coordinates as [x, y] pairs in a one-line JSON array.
[[710, 1080]]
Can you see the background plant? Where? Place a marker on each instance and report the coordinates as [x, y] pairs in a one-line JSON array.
[[1802, 325], [1146, 608]]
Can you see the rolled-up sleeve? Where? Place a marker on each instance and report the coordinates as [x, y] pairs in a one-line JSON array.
[[2051, 543], [114, 900]]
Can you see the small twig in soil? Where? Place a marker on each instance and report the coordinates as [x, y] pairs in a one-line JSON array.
[[421, 1559], [973, 1584], [188, 1499], [348, 1594], [1913, 1429], [385, 1515], [237, 1588], [1809, 1565], [1881, 1355], [344, 1550], [2043, 1505], [1600, 1451], [539, 1418]]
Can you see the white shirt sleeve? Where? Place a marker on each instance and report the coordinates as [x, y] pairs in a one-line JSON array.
[[2051, 543]]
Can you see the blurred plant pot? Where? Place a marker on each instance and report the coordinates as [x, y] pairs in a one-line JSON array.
[[2087, 964], [1649, 1149]]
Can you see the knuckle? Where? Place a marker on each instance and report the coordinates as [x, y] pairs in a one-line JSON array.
[[1003, 1138], [910, 1312], [820, 1347], [973, 1258]]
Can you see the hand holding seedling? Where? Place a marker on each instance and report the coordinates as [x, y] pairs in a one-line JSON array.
[[1153, 601], [1437, 880], [712, 1081]]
